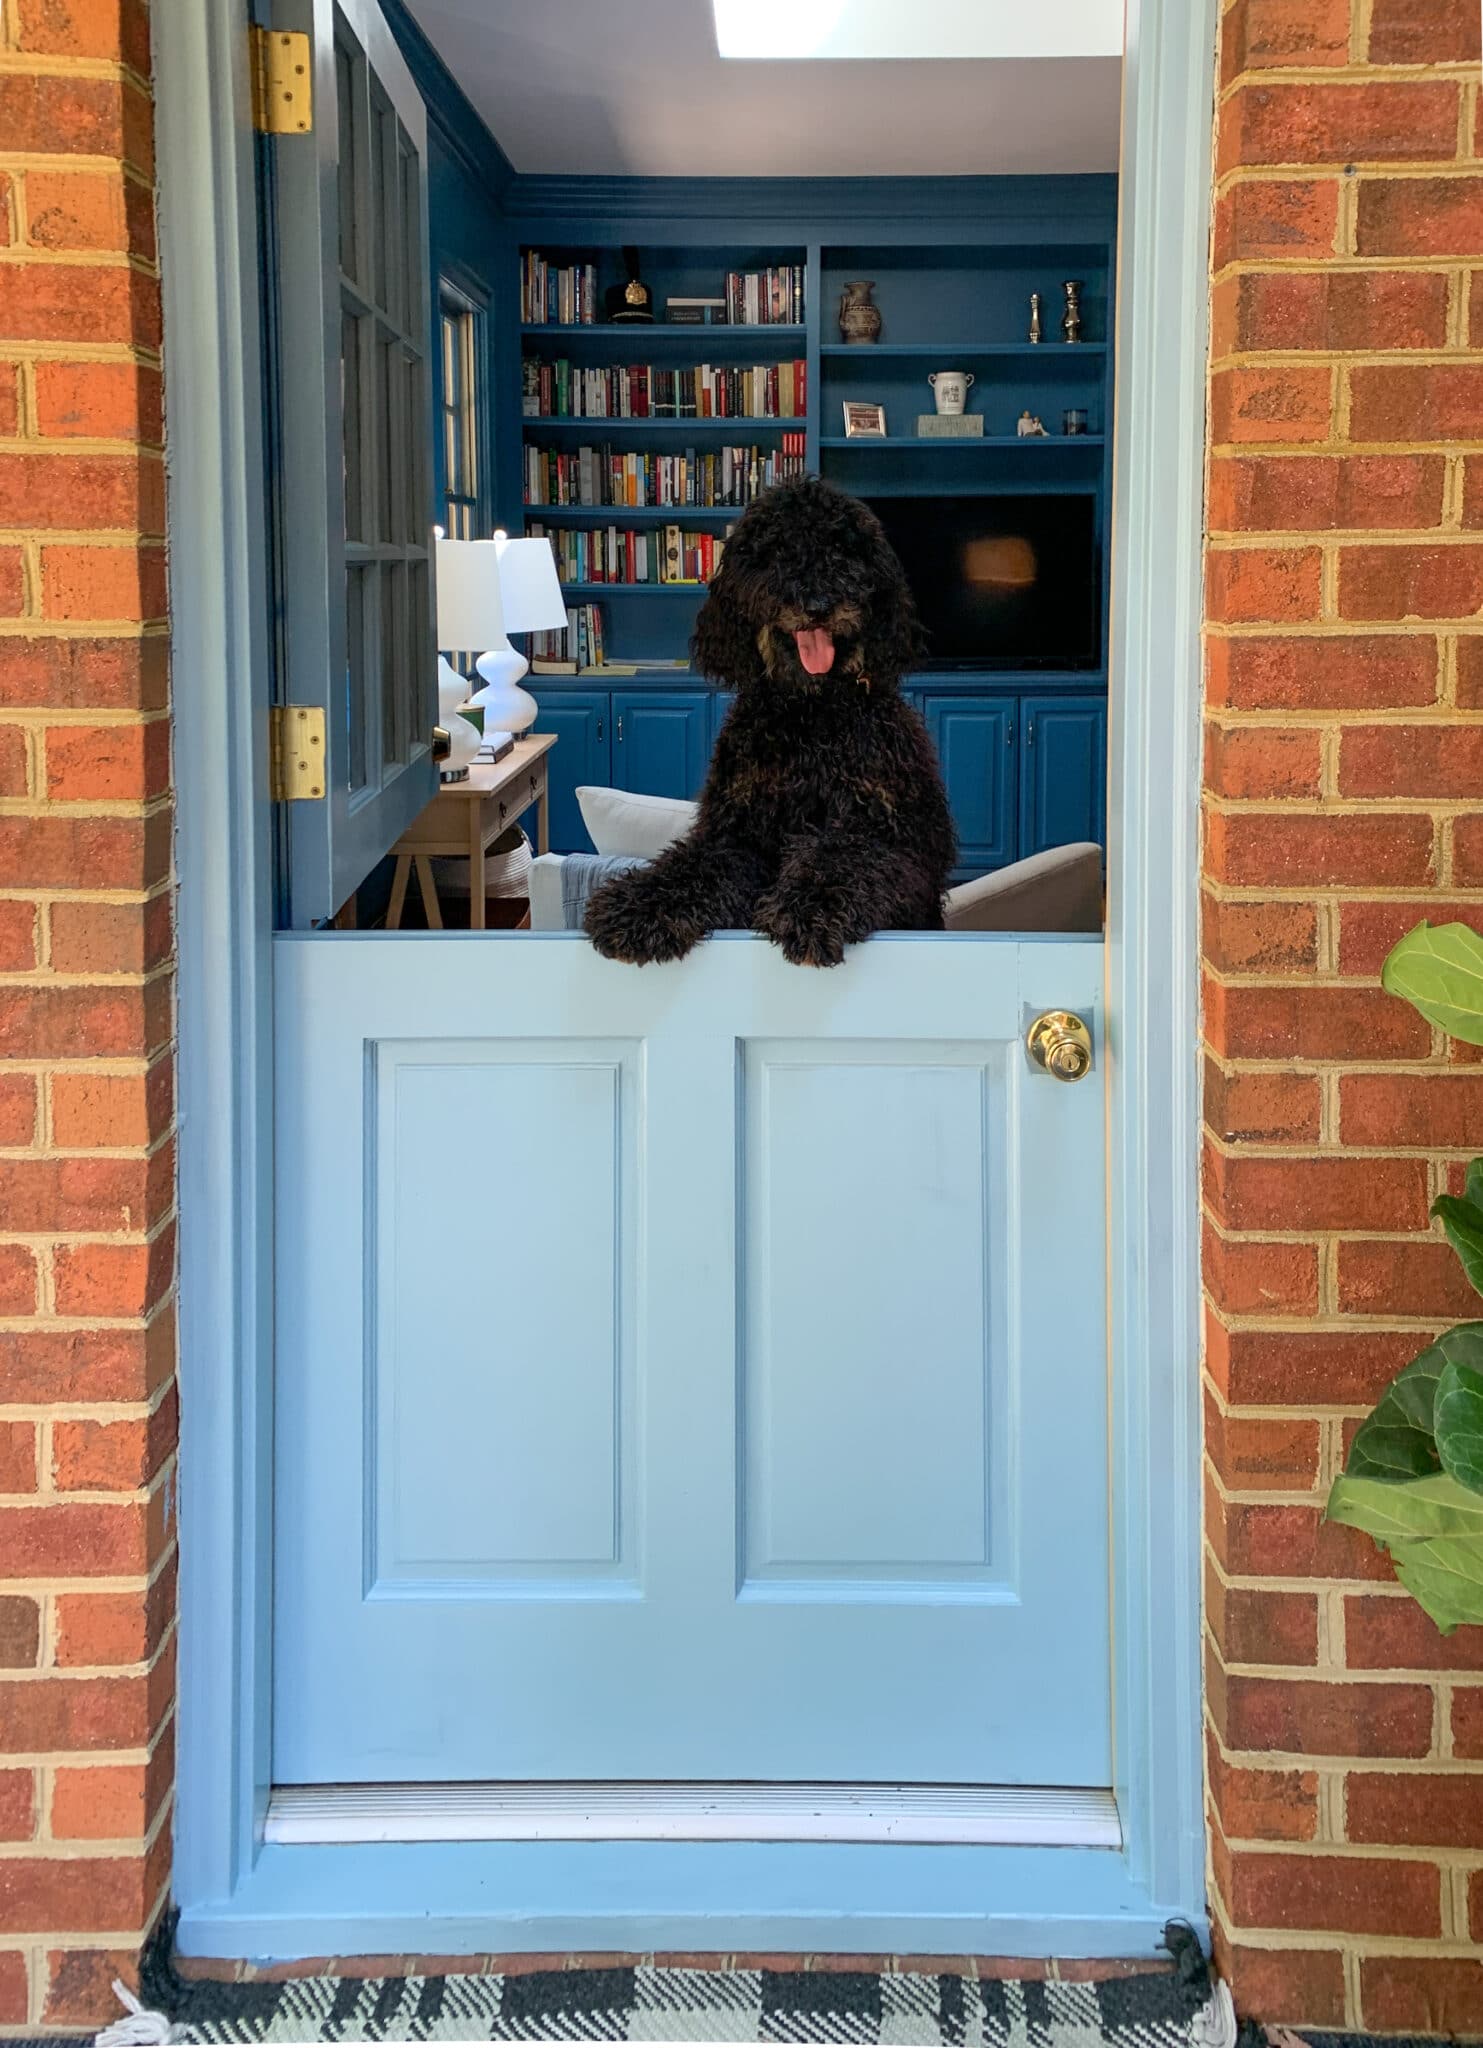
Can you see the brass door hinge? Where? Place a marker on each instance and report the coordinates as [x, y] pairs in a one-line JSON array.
[[296, 753], [282, 82]]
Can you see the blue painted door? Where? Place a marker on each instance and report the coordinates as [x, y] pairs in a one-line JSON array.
[[661, 741], [582, 721], [1063, 771], [763, 1435], [974, 737], [352, 426]]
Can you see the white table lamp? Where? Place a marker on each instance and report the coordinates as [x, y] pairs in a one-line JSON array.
[[531, 602], [470, 617]]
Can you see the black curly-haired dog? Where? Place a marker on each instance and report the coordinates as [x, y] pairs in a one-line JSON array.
[[824, 817]]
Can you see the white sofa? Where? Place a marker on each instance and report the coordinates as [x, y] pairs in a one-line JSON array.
[[1056, 891]]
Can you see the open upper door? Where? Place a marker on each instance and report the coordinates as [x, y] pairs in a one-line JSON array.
[[352, 327]]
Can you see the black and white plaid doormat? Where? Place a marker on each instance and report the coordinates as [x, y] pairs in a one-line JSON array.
[[649, 2003]]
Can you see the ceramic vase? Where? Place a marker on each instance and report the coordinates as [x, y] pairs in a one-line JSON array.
[[859, 315]]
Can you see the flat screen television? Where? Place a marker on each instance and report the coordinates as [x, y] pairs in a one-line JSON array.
[[1002, 582]]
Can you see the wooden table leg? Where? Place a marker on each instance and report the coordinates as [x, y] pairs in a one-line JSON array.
[[398, 892], [543, 822], [429, 893], [478, 907]]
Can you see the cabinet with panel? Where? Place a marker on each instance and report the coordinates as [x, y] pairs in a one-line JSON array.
[[582, 721], [661, 741], [1063, 771], [974, 738]]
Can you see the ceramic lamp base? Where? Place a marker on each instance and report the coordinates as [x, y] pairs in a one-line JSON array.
[[506, 707]]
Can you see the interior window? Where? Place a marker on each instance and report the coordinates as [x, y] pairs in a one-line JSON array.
[[460, 417]]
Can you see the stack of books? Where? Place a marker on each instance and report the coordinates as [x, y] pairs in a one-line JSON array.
[[765, 298], [642, 391], [567, 296], [562, 650], [598, 476], [613, 554]]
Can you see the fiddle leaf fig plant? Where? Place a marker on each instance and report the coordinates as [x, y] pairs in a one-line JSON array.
[[1413, 1480]]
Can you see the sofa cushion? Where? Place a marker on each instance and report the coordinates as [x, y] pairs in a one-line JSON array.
[[621, 821]]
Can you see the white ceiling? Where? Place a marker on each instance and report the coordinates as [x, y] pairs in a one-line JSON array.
[[637, 86]]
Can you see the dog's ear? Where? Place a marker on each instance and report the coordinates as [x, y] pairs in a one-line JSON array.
[[894, 641], [724, 646]]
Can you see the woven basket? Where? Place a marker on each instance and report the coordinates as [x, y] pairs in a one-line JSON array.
[[506, 868]]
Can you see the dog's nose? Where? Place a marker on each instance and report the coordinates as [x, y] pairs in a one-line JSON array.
[[817, 607]]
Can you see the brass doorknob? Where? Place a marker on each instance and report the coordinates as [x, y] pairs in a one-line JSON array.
[[1060, 1043]]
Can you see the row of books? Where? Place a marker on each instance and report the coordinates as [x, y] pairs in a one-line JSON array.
[[576, 645], [567, 294], [610, 476], [642, 391], [613, 554], [765, 298]]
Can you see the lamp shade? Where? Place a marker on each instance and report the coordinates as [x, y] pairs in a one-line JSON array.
[[529, 586], [470, 615]]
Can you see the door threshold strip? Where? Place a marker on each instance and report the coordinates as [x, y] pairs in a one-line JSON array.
[[999, 1815]]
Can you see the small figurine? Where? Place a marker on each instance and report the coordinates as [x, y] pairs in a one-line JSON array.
[[1029, 423], [1071, 318], [1035, 327]]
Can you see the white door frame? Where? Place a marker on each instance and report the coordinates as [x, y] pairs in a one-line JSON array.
[[236, 1898]]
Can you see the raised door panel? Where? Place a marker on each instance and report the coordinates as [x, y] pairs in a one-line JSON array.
[[661, 741], [582, 722], [975, 738], [1063, 771]]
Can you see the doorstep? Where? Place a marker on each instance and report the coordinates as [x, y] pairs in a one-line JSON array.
[[1065, 1970]]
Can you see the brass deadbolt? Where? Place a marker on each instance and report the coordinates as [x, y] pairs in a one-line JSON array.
[[1059, 1043]]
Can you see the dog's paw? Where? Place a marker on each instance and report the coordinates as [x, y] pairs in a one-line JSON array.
[[623, 925], [805, 934]]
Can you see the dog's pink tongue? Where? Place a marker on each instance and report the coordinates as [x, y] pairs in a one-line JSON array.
[[815, 650]]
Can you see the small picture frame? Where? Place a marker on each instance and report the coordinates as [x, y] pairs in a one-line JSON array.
[[864, 421]]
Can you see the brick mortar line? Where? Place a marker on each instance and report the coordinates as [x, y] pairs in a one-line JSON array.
[[1336, 171], [1284, 1149], [1301, 630], [1322, 355], [49, 1848], [1342, 444], [22, 349], [28, 257], [134, 539], [1279, 1411], [1359, 74], [1294, 807], [84, 446], [1261, 894], [1244, 540], [1435, 714]]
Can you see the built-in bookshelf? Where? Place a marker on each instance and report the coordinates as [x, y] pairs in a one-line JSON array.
[[632, 432]]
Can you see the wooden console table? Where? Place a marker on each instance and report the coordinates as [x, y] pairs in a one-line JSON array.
[[465, 818]]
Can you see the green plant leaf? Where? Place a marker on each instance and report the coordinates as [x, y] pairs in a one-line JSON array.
[[1395, 1442], [1458, 1421], [1446, 1576], [1439, 971], [1462, 1219], [1433, 1530]]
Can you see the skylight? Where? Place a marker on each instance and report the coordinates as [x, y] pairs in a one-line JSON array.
[[949, 30]]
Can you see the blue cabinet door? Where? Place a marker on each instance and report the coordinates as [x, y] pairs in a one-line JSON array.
[[974, 737], [661, 741], [582, 721], [1063, 771]]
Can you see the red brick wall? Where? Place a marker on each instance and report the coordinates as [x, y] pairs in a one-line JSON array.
[[87, 1253], [1343, 776]]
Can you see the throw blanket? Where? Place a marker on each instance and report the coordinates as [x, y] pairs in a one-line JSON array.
[[580, 875]]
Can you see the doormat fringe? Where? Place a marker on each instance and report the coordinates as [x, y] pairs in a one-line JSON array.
[[1180, 2008]]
